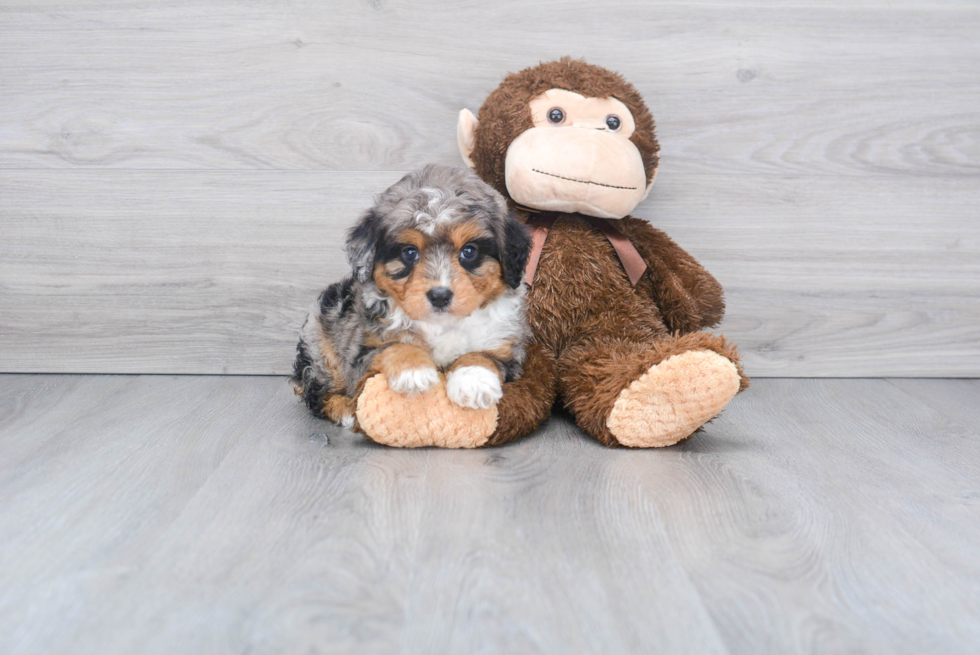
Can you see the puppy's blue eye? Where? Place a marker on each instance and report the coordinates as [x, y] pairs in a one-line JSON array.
[[468, 253], [556, 116], [410, 254], [613, 122]]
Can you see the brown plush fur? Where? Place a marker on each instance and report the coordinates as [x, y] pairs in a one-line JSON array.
[[594, 333], [606, 338], [527, 401], [595, 372]]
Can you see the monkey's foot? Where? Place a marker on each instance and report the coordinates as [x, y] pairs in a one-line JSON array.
[[673, 399], [426, 419]]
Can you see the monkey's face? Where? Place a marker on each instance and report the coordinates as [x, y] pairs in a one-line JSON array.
[[578, 157]]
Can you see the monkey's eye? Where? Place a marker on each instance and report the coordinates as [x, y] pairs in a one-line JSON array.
[[468, 253], [410, 254], [556, 116], [613, 122]]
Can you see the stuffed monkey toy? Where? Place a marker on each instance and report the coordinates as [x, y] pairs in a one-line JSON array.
[[617, 310]]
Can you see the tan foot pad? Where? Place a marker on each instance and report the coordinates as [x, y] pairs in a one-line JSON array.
[[673, 399], [428, 419]]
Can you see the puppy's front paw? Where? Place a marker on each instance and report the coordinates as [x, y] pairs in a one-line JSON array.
[[475, 387], [414, 380]]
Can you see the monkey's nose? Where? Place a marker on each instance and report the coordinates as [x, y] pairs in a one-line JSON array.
[[440, 297]]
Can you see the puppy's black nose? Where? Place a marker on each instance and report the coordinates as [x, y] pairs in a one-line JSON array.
[[440, 297]]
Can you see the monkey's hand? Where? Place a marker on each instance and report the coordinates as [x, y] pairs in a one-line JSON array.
[[689, 297]]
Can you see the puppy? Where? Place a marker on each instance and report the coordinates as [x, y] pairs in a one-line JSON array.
[[437, 287]]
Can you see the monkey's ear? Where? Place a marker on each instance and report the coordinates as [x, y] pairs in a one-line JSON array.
[[515, 251], [466, 135], [363, 241]]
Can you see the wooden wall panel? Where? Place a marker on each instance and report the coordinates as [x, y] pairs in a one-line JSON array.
[[212, 271], [376, 86], [175, 179]]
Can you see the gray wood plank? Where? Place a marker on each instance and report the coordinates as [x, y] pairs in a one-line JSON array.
[[297, 546], [846, 503], [212, 272], [849, 88], [813, 516], [958, 402], [101, 465]]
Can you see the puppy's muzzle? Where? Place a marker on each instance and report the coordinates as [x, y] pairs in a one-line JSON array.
[[440, 297]]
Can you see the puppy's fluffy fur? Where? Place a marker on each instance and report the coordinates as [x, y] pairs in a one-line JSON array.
[[437, 287]]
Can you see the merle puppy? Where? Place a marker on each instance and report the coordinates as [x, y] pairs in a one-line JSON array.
[[436, 288]]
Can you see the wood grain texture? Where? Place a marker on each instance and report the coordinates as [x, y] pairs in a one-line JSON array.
[[212, 272], [212, 514], [844, 89], [175, 180], [861, 491]]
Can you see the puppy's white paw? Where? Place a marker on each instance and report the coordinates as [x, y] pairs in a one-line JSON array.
[[414, 380], [475, 387]]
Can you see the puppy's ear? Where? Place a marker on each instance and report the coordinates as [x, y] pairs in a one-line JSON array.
[[514, 250], [363, 241]]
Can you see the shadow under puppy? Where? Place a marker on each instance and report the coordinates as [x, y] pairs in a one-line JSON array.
[[437, 287]]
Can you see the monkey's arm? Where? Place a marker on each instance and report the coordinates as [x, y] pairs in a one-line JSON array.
[[527, 401], [689, 297]]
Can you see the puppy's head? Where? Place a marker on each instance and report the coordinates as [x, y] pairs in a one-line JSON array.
[[440, 243]]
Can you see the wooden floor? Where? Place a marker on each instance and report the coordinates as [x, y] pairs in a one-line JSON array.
[[211, 514]]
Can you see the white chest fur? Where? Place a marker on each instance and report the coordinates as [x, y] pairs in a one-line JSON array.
[[485, 329]]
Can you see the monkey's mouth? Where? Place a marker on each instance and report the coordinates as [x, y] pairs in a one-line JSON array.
[[572, 179]]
